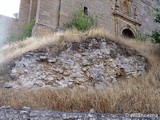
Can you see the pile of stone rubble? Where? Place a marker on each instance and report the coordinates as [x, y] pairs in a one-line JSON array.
[[96, 62]]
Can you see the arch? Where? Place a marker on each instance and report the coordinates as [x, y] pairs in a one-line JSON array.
[[127, 33]]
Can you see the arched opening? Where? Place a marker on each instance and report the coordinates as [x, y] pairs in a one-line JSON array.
[[127, 33]]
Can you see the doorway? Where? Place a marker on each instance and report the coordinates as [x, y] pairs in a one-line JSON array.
[[127, 33]]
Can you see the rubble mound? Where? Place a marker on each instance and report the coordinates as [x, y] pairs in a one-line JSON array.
[[96, 62]]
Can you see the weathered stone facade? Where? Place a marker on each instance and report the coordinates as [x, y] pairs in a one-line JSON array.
[[120, 17]]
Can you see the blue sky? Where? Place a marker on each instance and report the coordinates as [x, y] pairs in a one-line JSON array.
[[9, 7]]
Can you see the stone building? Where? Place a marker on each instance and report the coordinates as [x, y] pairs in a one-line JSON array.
[[120, 17]]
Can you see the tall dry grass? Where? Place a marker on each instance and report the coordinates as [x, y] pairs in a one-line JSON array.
[[127, 96]]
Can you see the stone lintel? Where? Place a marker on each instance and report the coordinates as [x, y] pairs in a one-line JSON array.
[[127, 18]]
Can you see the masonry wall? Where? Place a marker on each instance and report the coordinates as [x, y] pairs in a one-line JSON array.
[[101, 8], [47, 16], [146, 17], [32, 10], [54, 14], [27, 12], [104, 10]]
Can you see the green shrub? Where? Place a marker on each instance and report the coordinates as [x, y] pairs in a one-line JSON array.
[[157, 15], [83, 22], [13, 38], [26, 32], [156, 34], [142, 37]]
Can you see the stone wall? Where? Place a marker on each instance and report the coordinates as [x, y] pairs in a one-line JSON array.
[[47, 16], [33, 9], [145, 10], [100, 8], [27, 12], [55, 14], [52, 15], [28, 114]]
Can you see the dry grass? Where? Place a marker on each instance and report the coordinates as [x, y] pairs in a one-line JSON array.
[[131, 95], [15, 50]]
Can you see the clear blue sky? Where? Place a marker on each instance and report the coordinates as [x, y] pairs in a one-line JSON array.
[[9, 7]]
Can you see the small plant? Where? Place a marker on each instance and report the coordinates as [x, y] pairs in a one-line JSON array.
[[13, 38], [26, 32], [156, 34], [142, 37], [83, 22]]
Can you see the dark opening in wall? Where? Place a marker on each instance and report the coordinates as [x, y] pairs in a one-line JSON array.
[[85, 10], [127, 33]]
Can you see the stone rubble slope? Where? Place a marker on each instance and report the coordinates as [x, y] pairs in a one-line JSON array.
[[96, 62]]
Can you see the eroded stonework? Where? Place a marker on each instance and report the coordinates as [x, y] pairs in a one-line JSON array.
[[95, 62]]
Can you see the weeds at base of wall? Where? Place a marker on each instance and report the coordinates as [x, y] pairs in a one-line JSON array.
[[156, 37], [26, 32], [142, 37], [156, 34], [82, 21]]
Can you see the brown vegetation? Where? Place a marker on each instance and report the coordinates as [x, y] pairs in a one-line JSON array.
[[130, 95]]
